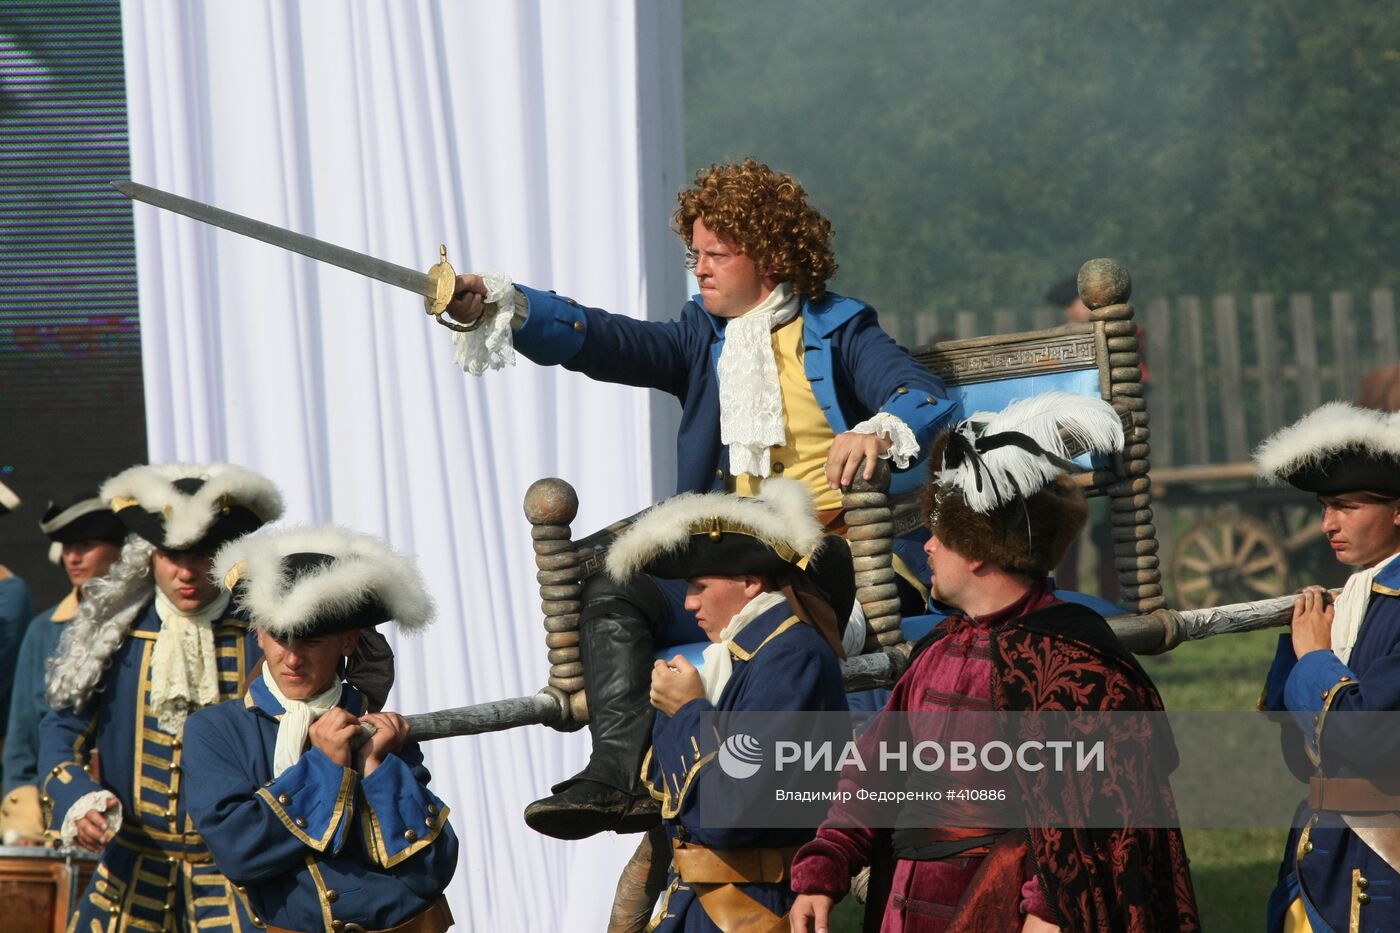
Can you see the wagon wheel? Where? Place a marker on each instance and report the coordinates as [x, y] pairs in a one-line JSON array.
[[1228, 558]]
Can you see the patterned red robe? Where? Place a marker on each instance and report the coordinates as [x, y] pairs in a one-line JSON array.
[[1039, 654]]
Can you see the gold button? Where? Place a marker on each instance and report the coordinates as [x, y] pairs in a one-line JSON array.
[[578, 326], [337, 925], [777, 467], [175, 745], [1362, 883], [1307, 847], [428, 822], [332, 895], [283, 799], [903, 390], [929, 398], [1363, 899], [170, 814], [300, 821], [432, 808], [410, 835], [719, 474]]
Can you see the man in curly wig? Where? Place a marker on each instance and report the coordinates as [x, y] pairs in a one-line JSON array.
[[775, 375]]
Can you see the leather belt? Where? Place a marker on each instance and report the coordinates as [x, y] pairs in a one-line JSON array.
[[435, 919], [697, 864], [1354, 795]]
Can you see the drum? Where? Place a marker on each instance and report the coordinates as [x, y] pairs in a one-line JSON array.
[[39, 887]]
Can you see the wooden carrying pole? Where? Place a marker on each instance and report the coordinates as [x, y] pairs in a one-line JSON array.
[[1145, 633]]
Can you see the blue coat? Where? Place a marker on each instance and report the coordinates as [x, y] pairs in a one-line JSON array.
[[157, 867], [15, 612], [374, 851], [790, 667], [855, 369], [27, 701], [1319, 684]]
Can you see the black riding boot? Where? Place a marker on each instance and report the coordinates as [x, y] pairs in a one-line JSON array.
[[616, 632]]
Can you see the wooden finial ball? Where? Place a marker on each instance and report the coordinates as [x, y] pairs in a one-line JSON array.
[[1104, 282], [880, 482], [550, 501]]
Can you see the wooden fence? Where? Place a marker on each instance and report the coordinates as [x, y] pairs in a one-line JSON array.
[[1224, 372]]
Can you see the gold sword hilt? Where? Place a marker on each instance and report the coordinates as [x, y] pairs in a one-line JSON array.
[[445, 282]]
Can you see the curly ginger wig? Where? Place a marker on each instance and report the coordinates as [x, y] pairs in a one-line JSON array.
[[767, 216]]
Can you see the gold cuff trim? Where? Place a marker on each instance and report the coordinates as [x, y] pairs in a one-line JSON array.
[[344, 799]]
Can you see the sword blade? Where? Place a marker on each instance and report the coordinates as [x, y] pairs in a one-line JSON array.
[[399, 276]]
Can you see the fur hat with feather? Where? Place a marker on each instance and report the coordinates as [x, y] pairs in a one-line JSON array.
[[317, 581], [190, 506], [1337, 448], [997, 486]]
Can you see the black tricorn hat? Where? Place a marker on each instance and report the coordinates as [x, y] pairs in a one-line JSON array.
[[85, 517], [774, 534], [1336, 449], [192, 507], [312, 582]]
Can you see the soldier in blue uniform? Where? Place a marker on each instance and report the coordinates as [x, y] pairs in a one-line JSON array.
[[324, 834], [1341, 867], [89, 538], [771, 595], [775, 375], [154, 640], [15, 612]]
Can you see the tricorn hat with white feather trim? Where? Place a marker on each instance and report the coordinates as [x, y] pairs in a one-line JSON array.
[[1337, 448], [85, 517], [998, 489], [311, 582], [774, 534], [190, 506]]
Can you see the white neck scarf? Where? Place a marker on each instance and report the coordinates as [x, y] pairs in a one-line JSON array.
[[296, 722], [184, 665], [718, 665], [750, 399], [1351, 608]]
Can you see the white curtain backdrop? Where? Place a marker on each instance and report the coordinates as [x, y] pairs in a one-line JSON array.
[[540, 139]]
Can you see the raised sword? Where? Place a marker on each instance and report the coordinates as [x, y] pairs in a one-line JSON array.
[[435, 286]]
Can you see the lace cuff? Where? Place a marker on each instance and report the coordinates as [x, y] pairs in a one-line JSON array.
[[94, 800], [491, 346], [904, 447]]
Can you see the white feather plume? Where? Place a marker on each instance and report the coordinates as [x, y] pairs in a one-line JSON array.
[[1052, 419]]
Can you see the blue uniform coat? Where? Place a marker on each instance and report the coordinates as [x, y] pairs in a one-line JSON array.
[[157, 866], [789, 667], [317, 844], [855, 369], [1324, 860], [27, 701]]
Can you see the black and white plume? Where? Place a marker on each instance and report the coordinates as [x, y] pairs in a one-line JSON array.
[[994, 458]]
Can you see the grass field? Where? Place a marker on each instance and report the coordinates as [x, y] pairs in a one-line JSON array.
[[1233, 869]]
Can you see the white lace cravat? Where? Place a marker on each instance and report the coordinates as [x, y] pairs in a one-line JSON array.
[[184, 665], [1351, 608], [751, 419], [296, 722], [718, 664]]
